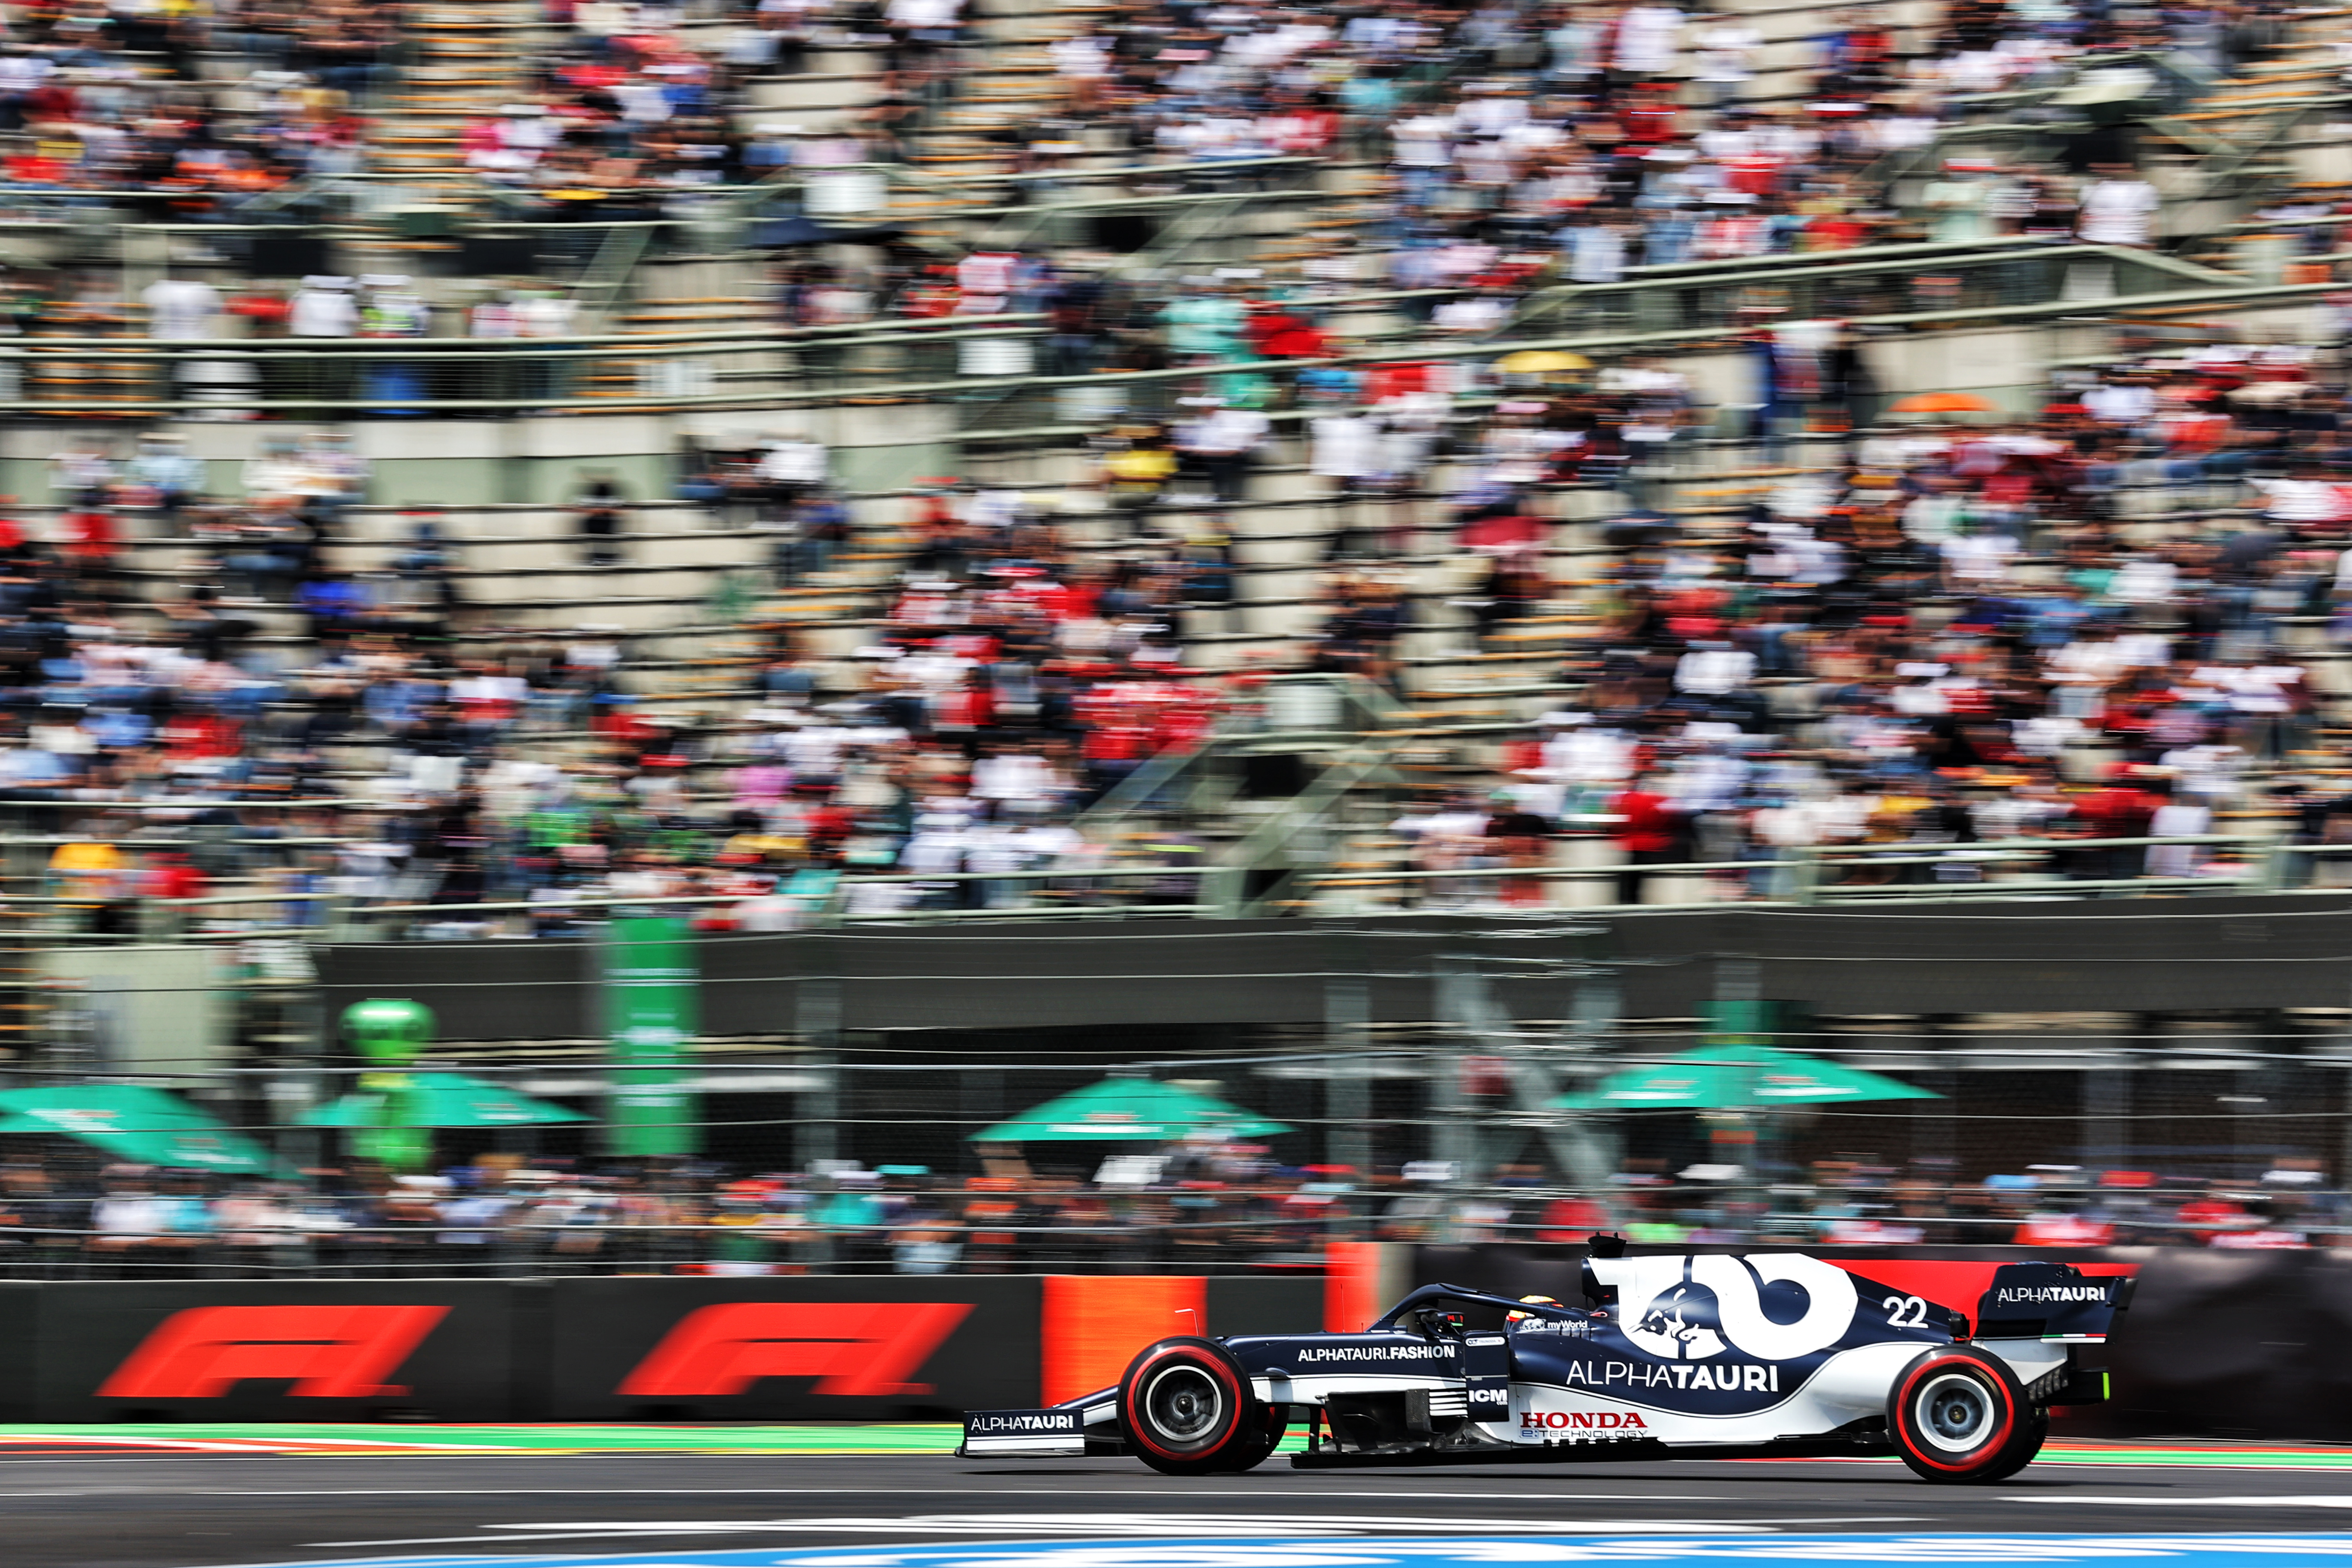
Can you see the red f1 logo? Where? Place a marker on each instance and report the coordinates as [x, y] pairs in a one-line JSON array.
[[329, 1352], [856, 1350]]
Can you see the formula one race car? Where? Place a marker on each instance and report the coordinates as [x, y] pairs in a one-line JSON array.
[[1708, 1355]]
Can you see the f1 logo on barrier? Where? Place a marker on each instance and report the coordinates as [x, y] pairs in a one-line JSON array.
[[856, 1350], [328, 1352]]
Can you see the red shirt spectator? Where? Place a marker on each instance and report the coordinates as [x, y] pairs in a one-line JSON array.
[[90, 536], [172, 877], [1649, 821], [2120, 811]]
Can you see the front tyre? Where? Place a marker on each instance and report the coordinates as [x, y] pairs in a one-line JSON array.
[[1959, 1416], [1273, 1420], [1188, 1410]]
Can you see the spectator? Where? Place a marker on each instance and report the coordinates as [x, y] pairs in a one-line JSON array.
[[1223, 441], [1648, 831], [602, 507], [793, 468]]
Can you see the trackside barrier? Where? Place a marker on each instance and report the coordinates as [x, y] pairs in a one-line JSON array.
[[792, 1348], [2217, 1344]]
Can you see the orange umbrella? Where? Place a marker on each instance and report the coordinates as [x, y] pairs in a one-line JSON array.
[[1943, 402]]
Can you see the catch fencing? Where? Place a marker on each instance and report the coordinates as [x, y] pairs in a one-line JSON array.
[[861, 1162], [2081, 1074]]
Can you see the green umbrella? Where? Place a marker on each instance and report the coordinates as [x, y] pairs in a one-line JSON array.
[[1737, 1077], [1129, 1110], [443, 1099], [142, 1124]]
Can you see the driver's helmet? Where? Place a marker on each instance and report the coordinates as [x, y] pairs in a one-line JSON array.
[[1523, 1317]]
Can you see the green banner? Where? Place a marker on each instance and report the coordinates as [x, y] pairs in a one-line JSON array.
[[650, 975]]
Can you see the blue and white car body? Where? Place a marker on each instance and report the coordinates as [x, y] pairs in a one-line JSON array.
[[1705, 1352]]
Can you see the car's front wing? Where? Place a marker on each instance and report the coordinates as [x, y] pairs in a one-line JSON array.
[[1089, 1425]]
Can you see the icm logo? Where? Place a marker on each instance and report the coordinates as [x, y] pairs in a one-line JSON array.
[[328, 1353], [856, 1350], [1689, 1308]]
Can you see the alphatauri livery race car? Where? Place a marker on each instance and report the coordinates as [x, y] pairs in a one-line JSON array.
[[1708, 1355]]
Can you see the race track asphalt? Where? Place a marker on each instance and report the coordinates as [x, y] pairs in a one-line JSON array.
[[199, 1511]]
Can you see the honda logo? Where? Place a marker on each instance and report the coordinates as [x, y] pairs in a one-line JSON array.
[[856, 1350], [328, 1353]]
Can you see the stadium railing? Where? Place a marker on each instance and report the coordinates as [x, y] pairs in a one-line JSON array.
[[2038, 868], [413, 377]]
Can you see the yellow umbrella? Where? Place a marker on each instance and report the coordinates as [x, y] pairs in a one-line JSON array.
[[1536, 361]]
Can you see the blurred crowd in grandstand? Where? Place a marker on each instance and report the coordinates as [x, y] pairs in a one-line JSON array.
[[2084, 624], [2091, 624], [1934, 631], [1538, 113], [1230, 1213], [1521, 142]]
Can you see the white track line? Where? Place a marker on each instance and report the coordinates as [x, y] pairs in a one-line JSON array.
[[2321, 1499], [1129, 1527], [1162, 1494]]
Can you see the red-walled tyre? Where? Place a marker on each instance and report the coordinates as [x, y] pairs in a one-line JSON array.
[[1959, 1416], [1273, 1420], [1188, 1410], [2027, 1451]]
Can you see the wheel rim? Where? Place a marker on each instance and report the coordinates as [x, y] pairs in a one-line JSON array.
[[1185, 1405], [1953, 1412]]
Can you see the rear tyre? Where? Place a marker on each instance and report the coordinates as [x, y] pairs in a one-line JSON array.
[[1188, 1410], [1959, 1416], [2028, 1450]]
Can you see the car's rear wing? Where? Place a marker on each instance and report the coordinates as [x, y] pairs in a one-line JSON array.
[[2053, 1302]]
